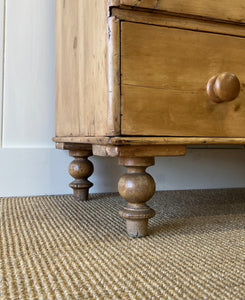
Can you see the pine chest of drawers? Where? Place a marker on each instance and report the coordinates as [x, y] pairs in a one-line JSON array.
[[138, 79]]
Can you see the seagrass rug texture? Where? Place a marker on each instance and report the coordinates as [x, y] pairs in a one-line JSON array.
[[55, 248]]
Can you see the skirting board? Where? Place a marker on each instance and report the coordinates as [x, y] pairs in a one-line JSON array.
[[30, 172]]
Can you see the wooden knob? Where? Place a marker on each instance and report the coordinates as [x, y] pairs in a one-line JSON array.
[[223, 87]]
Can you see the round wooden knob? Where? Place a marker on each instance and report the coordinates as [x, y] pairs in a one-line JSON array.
[[223, 87]]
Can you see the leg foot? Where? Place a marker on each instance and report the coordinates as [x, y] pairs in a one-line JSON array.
[[80, 169], [136, 187]]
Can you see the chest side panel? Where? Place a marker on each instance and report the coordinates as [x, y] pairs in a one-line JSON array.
[[81, 68]]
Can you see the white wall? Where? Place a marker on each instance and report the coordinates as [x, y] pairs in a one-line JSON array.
[[29, 164], [2, 10]]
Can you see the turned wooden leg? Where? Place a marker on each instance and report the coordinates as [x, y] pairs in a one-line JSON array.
[[136, 187], [80, 169]]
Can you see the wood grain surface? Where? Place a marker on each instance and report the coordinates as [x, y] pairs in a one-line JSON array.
[[162, 19], [82, 60], [224, 10], [64, 143], [139, 151], [164, 76]]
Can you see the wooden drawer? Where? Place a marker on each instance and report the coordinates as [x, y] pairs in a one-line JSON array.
[[163, 83], [219, 10]]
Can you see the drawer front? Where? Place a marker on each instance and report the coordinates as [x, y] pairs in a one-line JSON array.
[[222, 10], [164, 77]]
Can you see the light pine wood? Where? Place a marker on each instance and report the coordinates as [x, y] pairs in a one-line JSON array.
[[102, 140], [113, 2], [113, 127], [84, 93], [80, 169], [134, 141], [171, 67], [64, 142], [136, 187], [138, 151], [177, 22], [223, 10]]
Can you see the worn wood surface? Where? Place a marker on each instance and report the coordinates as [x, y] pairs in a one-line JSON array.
[[74, 146], [102, 140], [224, 10], [177, 22], [175, 141], [171, 67], [82, 60], [113, 121], [113, 2], [64, 142], [138, 151]]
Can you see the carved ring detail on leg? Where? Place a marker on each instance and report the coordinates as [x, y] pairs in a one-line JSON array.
[[136, 187], [80, 169]]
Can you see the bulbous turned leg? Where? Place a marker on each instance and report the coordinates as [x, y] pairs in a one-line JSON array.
[[80, 169], [136, 187]]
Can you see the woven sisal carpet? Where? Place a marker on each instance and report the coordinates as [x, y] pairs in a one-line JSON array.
[[54, 248]]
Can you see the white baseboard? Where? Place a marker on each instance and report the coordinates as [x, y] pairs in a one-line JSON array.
[[29, 172]]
